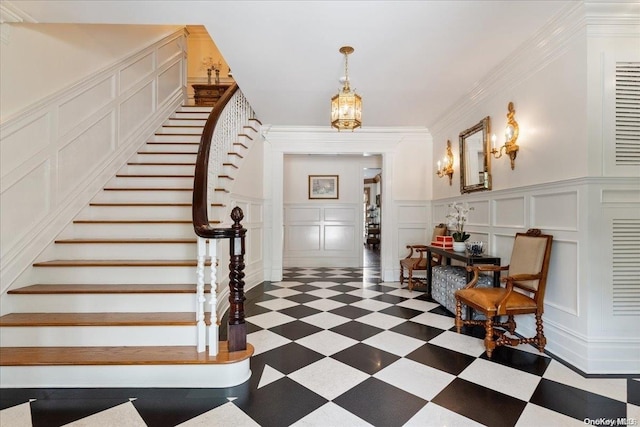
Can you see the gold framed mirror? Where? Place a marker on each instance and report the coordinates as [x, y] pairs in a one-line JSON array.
[[475, 162]]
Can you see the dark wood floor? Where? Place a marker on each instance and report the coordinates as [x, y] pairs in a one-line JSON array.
[[371, 256]]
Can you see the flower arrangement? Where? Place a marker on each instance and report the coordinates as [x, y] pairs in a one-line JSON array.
[[207, 62], [457, 217]]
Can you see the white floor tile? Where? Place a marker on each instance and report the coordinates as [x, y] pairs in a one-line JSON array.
[[281, 293], [614, 388], [224, 415], [277, 304], [535, 416], [330, 414], [380, 320], [328, 377], [394, 343], [435, 415], [269, 320], [324, 304], [287, 284], [435, 320], [417, 304], [124, 415], [16, 416], [364, 293], [356, 285], [265, 340], [633, 411], [322, 284], [504, 379], [404, 293], [269, 375], [325, 320], [459, 342], [415, 378], [326, 342], [324, 293], [371, 304]]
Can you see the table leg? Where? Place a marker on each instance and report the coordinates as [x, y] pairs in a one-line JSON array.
[[429, 272]]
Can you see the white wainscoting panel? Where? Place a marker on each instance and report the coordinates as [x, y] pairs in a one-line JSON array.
[[302, 214], [509, 212], [169, 81], [562, 281], [136, 109], [479, 213], [135, 72], [555, 211], [412, 214], [303, 238], [169, 50], [23, 141], [412, 236], [86, 104], [339, 237], [339, 214]]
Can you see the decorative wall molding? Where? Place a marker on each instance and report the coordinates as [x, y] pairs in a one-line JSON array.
[[10, 13]]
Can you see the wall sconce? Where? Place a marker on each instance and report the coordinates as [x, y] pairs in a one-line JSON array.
[[446, 169], [510, 137]]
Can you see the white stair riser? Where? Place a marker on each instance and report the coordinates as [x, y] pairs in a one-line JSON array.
[[143, 197], [170, 147], [115, 275], [178, 129], [104, 303], [230, 170], [118, 251], [136, 230], [155, 182], [192, 115], [158, 170], [178, 122], [143, 157], [195, 376], [136, 212], [196, 108], [174, 138], [86, 336]]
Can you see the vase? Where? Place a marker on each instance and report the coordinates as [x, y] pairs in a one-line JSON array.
[[209, 76], [459, 246]]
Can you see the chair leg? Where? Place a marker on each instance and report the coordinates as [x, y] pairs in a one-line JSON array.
[[540, 338], [459, 321], [511, 325], [489, 343], [410, 284], [401, 274]]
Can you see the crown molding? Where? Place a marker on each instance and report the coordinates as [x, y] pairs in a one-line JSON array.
[[10, 13], [613, 19]]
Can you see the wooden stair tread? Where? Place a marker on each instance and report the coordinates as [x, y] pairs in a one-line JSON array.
[[122, 175], [246, 136], [125, 241], [172, 153], [137, 221], [160, 164], [108, 289], [117, 263], [147, 189], [146, 355], [99, 319], [147, 204]]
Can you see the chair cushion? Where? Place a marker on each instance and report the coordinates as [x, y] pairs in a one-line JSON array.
[[487, 299]]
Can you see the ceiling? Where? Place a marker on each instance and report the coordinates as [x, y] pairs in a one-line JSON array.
[[413, 59]]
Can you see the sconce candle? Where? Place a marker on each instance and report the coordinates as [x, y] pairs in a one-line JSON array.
[[447, 170], [511, 136]]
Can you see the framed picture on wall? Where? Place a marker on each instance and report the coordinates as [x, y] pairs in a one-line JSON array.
[[323, 186]]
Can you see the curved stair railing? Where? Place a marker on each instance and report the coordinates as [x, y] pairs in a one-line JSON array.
[[230, 113]]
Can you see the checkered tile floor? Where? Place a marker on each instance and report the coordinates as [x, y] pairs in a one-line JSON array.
[[335, 347]]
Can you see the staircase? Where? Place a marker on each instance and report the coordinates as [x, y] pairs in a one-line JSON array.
[[112, 303]]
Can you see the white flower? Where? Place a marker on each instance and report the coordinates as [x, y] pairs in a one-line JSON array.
[[456, 218]]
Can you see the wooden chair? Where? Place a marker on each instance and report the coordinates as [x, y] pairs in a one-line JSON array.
[[523, 294], [418, 262]]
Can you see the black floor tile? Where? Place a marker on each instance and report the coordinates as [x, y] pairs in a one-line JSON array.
[[350, 311], [265, 405], [391, 299], [302, 298], [521, 360], [299, 311], [342, 288], [287, 358], [417, 330], [402, 312], [356, 330], [169, 411], [58, 412], [481, 404], [442, 311], [304, 288], [365, 358], [344, 298], [441, 358], [295, 330], [385, 405], [633, 391], [576, 403], [254, 310]]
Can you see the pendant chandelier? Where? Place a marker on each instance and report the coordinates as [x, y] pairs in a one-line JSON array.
[[346, 106]]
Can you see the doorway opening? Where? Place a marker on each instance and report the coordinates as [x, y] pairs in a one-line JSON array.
[[372, 216]]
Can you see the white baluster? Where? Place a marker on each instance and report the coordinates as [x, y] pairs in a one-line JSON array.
[[213, 327], [201, 327]]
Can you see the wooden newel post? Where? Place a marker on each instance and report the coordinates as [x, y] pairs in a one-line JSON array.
[[237, 329]]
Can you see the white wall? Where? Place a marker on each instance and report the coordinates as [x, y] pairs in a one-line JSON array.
[[61, 150], [565, 180], [200, 46]]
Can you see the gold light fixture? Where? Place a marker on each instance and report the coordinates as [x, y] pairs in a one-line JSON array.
[[346, 106], [446, 169], [510, 137]]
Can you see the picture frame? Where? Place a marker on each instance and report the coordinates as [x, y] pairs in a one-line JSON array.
[[324, 187]]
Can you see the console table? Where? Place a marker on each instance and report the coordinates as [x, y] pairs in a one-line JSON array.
[[448, 255], [207, 95]]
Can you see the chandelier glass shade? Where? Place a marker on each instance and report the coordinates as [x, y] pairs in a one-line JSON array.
[[346, 106]]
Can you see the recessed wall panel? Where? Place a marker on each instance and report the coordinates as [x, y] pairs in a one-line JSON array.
[[562, 280], [620, 196], [303, 238], [479, 215], [24, 204], [339, 237], [411, 236], [509, 212], [136, 109], [81, 107], [555, 211], [255, 212], [169, 50], [339, 214], [169, 82], [78, 158], [23, 143], [135, 72], [412, 214], [302, 214]]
